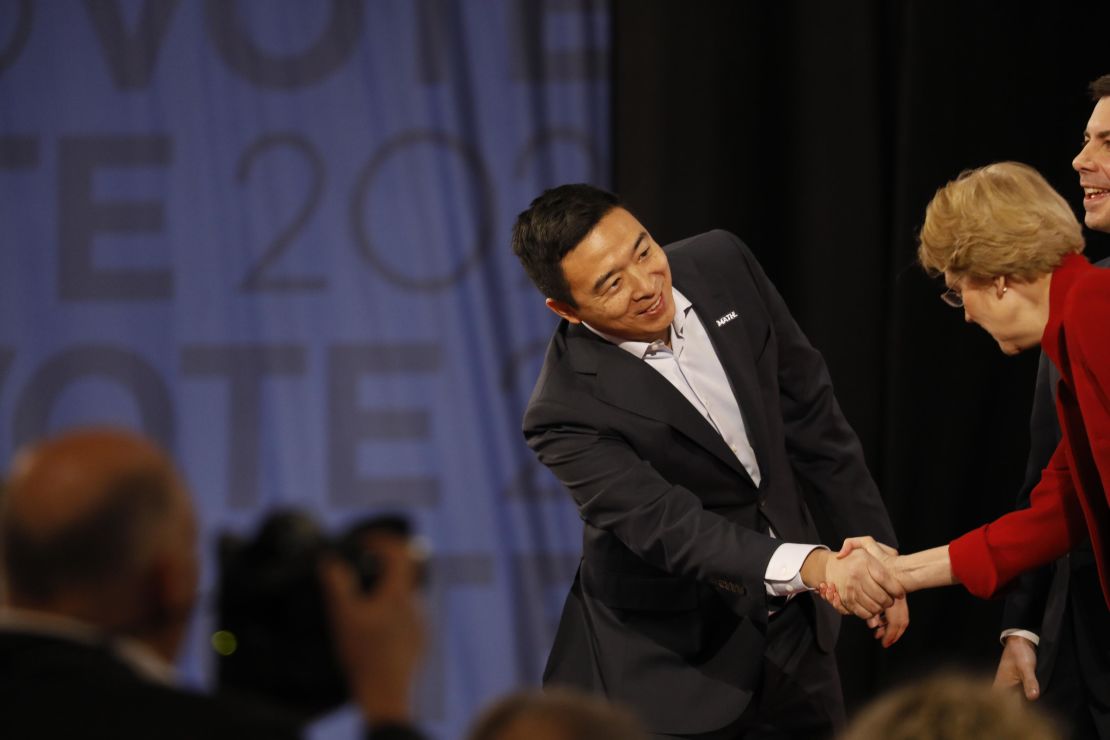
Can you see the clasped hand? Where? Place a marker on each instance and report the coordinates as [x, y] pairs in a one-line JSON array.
[[861, 579]]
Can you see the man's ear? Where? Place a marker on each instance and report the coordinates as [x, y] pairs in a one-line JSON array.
[[564, 310], [172, 585]]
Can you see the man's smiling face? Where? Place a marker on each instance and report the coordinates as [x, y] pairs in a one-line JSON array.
[[1093, 165], [620, 280]]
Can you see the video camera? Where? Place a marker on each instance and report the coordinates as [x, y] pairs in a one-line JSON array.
[[272, 637]]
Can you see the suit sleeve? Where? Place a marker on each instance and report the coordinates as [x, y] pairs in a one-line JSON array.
[[1025, 604], [824, 451], [615, 490], [987, 558]]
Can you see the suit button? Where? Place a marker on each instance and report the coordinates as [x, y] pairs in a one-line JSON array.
[[763, 503]]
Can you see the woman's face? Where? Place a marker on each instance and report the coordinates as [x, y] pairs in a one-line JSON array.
[[1005, 314]]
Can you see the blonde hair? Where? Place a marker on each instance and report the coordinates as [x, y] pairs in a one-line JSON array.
[[1002, 219], [561, 713], [950, 706]]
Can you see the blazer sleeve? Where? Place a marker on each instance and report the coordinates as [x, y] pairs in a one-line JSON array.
[[665, 525], [987, 558]]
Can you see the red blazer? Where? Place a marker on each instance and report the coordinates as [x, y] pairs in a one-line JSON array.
[[1070, 502]]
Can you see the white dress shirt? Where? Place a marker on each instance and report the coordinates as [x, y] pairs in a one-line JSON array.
[[691, 365]]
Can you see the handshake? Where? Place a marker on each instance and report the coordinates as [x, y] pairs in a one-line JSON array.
[[864, 578]]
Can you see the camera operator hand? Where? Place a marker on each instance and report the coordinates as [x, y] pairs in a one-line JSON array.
[[379, 636]]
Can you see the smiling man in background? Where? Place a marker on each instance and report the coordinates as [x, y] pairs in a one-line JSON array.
[[1056, 630]]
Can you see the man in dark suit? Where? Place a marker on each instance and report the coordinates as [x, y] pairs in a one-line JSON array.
[[1056, 629], [99, 577], [688, 416]]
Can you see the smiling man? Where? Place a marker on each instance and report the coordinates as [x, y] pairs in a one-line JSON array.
[[685, 412], [1093, 161], [1056, 631]]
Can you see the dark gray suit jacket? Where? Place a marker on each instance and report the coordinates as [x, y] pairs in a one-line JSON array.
[[53, 688], [668, 610]]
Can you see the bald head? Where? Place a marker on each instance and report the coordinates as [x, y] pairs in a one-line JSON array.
[[93, 522]]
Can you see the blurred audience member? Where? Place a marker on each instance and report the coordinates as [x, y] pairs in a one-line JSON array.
[[98, 558], [949, 706], [557, 714]]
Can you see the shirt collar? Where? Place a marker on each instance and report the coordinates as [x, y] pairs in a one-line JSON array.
[[640, 350]]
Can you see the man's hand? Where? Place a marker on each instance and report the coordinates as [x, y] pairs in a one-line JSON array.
[[863, 585], [379, 637], [1018, 665], [885, 555]]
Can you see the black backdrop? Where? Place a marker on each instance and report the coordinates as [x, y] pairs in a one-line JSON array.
[[818, 132]]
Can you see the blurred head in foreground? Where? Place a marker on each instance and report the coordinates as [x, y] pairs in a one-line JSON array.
[[557, 714], [96, 526], [949, 706]]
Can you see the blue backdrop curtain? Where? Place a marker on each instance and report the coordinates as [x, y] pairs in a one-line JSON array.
[[274, 236]]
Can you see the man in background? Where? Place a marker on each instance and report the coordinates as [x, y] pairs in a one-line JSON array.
[[555, 714], [98, 540], [949, 706], [1056, 628]]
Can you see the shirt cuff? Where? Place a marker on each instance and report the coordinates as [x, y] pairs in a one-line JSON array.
[[784, 570], [1031, 636]]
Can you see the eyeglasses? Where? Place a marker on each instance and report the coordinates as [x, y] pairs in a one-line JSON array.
[[953, 298]]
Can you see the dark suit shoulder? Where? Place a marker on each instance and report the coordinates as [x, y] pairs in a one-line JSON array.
[[104, 698], [714, 259], [715, 243], [567, 379], [556, 369]]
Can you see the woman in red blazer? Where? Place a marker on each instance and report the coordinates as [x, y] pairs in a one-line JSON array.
[[1010, 248]]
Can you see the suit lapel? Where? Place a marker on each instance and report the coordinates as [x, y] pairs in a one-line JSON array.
[[628, 383], [734, 349]]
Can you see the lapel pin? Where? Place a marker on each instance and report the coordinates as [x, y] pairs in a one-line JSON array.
[[726, 318]]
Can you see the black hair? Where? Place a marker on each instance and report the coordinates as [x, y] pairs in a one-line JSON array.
[[1100, 88], [553, 225]]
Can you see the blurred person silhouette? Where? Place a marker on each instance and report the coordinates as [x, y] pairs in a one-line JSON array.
[[555, 714], [949, 706], [98, 541]]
